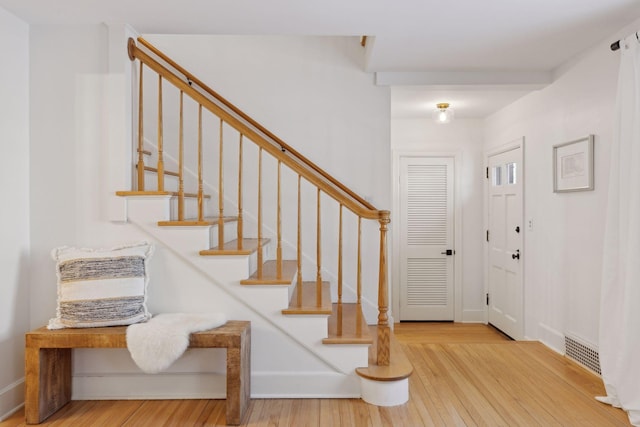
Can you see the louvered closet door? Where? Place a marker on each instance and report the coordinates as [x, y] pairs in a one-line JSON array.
[[426, 233]]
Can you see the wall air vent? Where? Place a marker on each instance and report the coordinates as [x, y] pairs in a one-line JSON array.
[[584, 354]]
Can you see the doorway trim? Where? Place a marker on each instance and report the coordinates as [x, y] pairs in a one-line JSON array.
[[394, 271], [511, 145]]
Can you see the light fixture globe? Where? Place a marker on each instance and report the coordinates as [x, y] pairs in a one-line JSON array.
[[443, 113]]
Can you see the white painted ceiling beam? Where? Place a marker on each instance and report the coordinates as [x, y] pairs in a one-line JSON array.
[[530, 80]]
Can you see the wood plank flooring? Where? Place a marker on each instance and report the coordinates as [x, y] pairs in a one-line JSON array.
[[465, 375]]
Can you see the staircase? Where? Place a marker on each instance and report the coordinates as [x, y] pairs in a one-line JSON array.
[[247, 253]]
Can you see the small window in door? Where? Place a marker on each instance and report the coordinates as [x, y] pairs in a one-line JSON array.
[[497, 176], [511, 173]]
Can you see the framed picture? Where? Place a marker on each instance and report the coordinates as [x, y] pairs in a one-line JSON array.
[[573, 165]]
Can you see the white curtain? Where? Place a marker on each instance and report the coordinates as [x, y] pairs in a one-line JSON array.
[[619, 346]]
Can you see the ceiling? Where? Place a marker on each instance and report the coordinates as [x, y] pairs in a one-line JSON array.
[[477, 55]]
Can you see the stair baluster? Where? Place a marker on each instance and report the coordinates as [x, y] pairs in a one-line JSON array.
[[160, 139], [299, 254], [200, 185], [240, 219], [221, 193], [359, 278], [340, 257], [318, 256], [140, 132], [279, 225], [181, 161], [260, 262]]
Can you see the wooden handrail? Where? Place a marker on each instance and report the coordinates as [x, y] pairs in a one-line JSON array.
[[362, 207]]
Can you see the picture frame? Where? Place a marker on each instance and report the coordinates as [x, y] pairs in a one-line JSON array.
[[573, 165]]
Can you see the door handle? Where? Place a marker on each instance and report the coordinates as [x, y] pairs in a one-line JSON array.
[[448, 252], [516, 255]]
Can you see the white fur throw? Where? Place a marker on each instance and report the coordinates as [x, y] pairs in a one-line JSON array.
[[156, 344]]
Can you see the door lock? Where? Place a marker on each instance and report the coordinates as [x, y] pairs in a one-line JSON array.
[[516, 255], [448, 252]]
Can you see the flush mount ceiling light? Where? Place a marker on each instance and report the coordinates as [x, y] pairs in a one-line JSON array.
[[443, 113]]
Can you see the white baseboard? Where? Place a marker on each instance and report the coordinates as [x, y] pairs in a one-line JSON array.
[[11, 398], [213, 386], [551, 338], [291, 385], [473, 316]]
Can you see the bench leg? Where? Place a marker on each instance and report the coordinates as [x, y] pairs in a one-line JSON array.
[[47, 382], [239, 379]]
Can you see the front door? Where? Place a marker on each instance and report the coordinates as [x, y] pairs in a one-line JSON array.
[[426, 238], [505, 298]]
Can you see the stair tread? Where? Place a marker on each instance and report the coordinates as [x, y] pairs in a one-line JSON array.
[[270, 276], [249, 246], [399, 367], [158, 193], [347, 325], [194, 222], [308, 304]]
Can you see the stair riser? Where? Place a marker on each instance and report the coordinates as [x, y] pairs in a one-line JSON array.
[[253, 258], [230, 233], [191, 208], [185, 239], [151, 182], [148, 209], [308, 329]]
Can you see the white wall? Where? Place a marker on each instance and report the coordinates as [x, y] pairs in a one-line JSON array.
[[563, 251], [464, 139], [14, 215], [59, 56]]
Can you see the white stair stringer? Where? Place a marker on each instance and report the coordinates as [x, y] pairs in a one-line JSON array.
[[266, 302], [370, 308]]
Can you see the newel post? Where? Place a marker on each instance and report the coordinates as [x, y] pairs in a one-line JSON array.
[[383, 351]]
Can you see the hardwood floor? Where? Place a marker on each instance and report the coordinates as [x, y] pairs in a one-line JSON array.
[[465, 375]]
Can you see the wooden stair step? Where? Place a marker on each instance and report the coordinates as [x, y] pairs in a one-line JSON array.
[[194, 222], [270, 274], [152, 169], [399, 366], [308, 304], [248, 247], [159, 193], [347, 325]]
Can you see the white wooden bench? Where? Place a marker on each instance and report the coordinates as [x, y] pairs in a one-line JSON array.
[[48, 364]]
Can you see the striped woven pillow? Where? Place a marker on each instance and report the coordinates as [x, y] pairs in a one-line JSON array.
[[100, 287]]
